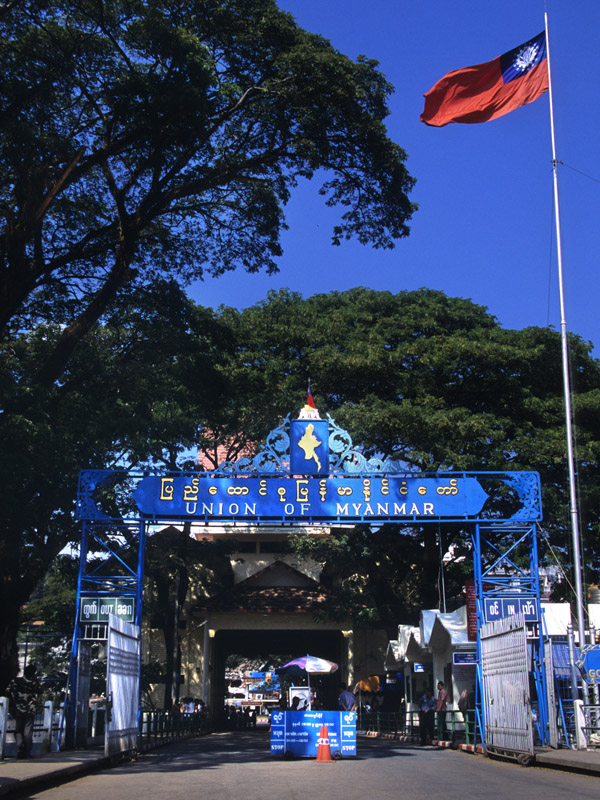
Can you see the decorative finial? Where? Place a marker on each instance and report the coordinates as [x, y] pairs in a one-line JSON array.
[[309, 411]]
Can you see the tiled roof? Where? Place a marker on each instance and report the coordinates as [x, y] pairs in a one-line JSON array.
[[254, 593], [210, 457], [270, 600], [277, 570]]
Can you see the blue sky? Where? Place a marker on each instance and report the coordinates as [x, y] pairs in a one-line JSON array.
[[485, 227]]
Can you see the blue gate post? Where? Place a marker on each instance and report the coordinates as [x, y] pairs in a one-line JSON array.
[[539, 662], [138, 609], [70, 704], [114, 539], [518, 588], [479, 704]]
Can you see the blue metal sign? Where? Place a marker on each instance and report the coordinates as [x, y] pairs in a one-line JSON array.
[[297, 732], [500, 607], [465, 658], [589, 663], [355, 498], [310, 472], [96, 609], [309, 446]]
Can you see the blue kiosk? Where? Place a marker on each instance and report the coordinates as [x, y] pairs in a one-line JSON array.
[[296, 733]]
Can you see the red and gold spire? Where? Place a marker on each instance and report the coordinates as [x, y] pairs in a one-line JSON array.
[[309, 411]]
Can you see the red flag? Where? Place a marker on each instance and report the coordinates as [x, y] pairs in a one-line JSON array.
[[310, 402], [486, 91]]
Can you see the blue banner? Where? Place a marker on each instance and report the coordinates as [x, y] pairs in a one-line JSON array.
[[355, 498], [297, 732]]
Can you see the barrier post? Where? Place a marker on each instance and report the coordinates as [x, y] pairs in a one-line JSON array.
[[3, 723], [47, 726], [580, 737]]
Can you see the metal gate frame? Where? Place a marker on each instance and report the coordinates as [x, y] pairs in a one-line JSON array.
[[512, 507], [506, 570], [506, 702], [120, 573], [122, 686], [553, 733], [84, 662]]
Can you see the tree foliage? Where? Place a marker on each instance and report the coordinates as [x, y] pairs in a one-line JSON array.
[[53, 600], [435, 383], [144, 144], [148, 138], [181, 572], [130, 394]]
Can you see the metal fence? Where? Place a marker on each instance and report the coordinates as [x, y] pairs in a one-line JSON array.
[[591, 728], [461, 728], [165, 726], [509, 722], [46, 730], [156, 727]]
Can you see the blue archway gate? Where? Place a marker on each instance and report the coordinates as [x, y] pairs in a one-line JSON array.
[[309, 473]]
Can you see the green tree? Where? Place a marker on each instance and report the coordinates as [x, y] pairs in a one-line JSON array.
[[435, 383], [180, 569], [47, 624], [144, 142], [131, 394], [53, 601], [163, 137]]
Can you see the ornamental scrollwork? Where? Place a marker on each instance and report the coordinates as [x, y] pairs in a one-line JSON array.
[[273, 460], [526, 486]]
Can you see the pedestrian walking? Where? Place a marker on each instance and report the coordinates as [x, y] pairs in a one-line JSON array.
[[25, 696]]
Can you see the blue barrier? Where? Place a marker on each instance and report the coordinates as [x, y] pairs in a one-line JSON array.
[[296, 733]]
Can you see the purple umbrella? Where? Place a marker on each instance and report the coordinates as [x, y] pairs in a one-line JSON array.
[[304, 665], [298, 666]]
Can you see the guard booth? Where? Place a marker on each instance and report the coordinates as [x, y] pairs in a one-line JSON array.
[[308, 475]]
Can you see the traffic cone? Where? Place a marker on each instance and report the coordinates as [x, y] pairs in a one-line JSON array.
[[324, 751]]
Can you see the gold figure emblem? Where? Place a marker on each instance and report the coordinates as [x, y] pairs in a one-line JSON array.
[[309, 444]]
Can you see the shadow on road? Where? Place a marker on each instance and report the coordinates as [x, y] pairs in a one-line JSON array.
[[245, 747]]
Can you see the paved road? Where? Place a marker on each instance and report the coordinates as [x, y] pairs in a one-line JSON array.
[[237, 766]]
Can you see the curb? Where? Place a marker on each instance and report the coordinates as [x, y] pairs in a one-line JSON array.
[[570, 762], [395, 737], [401, 737], [472, 748], [56, 776]]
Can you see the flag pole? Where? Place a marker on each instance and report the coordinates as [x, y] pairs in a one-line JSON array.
[[575, 534]]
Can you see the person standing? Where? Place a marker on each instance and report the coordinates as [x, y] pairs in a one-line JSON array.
[[295, 703], [463, 707], [25, 694], [427, 706], [441, 704], [346, 700]]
